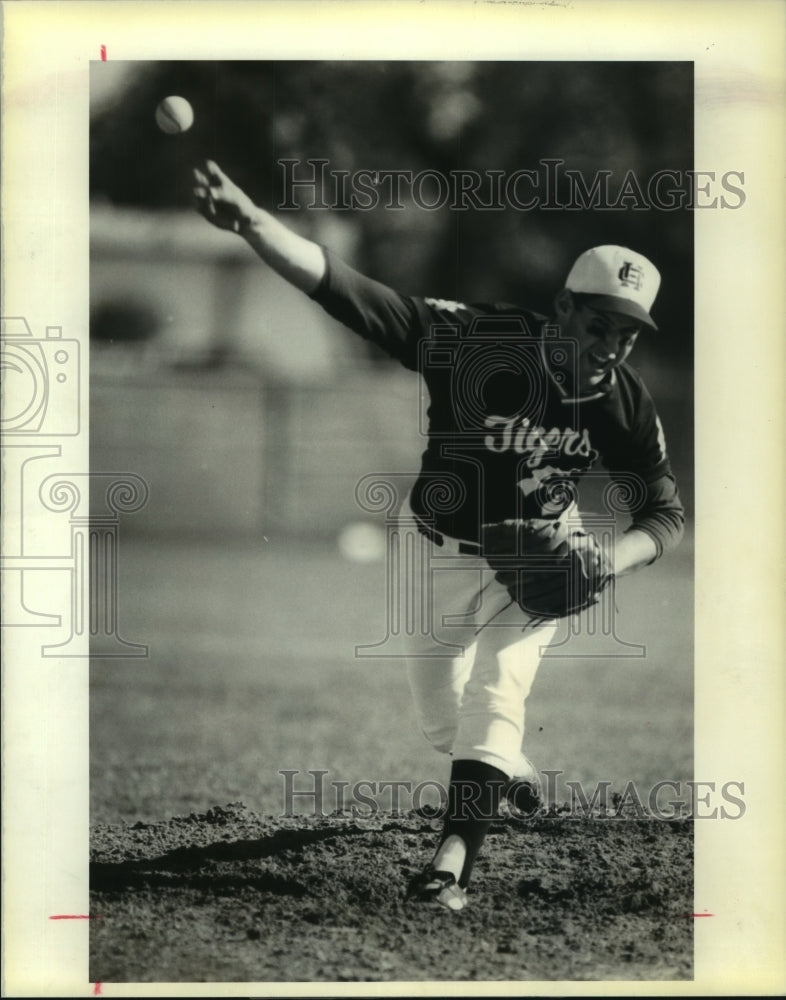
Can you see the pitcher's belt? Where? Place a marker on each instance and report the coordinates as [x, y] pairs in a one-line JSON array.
[[462, 547]]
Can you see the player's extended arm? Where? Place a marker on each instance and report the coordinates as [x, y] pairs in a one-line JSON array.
[[222, 202], [368, 307]]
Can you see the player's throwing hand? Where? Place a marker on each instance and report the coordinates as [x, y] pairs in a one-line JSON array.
[[220, 200], [298, 260]]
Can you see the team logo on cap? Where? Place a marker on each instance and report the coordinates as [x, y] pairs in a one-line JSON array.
[[630, 274]]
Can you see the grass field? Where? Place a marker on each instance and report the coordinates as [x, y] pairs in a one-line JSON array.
[[252, 671]]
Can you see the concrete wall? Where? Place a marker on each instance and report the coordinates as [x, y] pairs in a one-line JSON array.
[[225, 455], [243, 405]]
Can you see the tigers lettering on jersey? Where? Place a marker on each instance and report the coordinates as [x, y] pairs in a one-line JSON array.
[[536, 443]]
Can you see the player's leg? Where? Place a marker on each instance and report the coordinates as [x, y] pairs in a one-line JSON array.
[[487, 747], [439, 661], [437, 687], [439, 665], [492, 711], [466, 608], [439, 645]]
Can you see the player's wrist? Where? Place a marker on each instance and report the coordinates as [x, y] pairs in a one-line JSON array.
[[632, 551], [251, 222]]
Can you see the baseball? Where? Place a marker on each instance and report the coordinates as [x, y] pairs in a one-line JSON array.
[[361, 542], [174, 115]]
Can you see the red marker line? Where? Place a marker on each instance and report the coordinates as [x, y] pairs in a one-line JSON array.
[[97, 990], [74, 916], [103, 53], [703, 914]]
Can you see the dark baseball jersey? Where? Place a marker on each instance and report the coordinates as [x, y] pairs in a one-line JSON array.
[[504, 437]]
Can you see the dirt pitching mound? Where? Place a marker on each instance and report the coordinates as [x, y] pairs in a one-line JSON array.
[[229, 896]]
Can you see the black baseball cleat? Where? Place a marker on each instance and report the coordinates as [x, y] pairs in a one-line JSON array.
[[437, 887]]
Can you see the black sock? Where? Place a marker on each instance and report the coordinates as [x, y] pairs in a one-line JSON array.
[[473, 802]]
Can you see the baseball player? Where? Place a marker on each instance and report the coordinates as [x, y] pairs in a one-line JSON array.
[[521, 406]]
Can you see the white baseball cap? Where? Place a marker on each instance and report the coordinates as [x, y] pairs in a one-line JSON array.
[[618, 279]]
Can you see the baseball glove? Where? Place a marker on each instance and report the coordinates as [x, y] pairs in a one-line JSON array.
[[549, 569]]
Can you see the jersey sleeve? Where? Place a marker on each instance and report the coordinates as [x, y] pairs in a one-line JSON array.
[[640, 465], [371, 309], [661, 515]]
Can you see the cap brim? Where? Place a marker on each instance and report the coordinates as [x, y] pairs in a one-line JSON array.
[[613, 303]]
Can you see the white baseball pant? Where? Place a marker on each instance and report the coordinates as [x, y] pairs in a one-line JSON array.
[[469, 699]]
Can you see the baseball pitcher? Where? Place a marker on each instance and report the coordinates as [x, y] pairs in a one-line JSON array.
[[521, 405]]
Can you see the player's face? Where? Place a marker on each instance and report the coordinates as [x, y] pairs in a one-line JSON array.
[[603, 340]]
